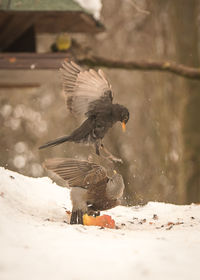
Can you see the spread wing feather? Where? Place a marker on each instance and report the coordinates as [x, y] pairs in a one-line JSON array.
[[78, 173], [83, 87]]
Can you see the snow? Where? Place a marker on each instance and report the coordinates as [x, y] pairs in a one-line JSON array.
[[157, 241], [93, 6]]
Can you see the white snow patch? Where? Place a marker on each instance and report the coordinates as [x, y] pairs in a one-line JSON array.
[[93, 6], [157, 241]]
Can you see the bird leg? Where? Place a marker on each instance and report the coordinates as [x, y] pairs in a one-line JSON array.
[[80, 217], [73, 219], [97, 145], [79, 205], [76, 217], [110, 156]]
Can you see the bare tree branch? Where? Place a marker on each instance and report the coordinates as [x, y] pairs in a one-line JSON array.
[[165, 66], [36, 61]]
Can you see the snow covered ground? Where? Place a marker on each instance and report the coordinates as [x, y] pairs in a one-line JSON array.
[[157, 241]]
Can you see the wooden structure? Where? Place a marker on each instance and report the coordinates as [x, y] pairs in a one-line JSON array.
[[21, 20], [31, 61]]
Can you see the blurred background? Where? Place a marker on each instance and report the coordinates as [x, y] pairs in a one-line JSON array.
[[161, 146]]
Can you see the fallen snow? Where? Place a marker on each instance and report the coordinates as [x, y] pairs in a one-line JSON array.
[[157, 241], [93, 6]]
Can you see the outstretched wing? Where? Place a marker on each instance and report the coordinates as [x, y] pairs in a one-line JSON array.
[[83, 87], [78, 173]]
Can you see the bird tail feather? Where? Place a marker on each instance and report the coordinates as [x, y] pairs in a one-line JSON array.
[[55, 142]]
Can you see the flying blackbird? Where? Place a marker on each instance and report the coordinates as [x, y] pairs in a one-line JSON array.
[[89, 95], [92, 190]]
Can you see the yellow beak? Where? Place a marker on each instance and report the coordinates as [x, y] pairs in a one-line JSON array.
[[123, 126]]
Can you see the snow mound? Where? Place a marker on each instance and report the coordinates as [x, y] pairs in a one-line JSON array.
[[157, 241], [93, 6], [37, 197]]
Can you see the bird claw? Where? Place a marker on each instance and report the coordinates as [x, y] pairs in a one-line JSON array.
[[110, 157], [114, 159], [77, 216]]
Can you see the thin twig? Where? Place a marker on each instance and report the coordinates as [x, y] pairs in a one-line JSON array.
[[138, 9]]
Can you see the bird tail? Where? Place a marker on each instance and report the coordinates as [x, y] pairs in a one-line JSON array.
[[80, 134], [55, 142]]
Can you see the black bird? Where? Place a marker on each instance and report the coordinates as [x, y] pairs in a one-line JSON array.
[[89, 95], [92, 190]]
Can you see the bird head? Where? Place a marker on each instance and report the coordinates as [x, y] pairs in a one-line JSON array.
[[124, 117], [115, 186]]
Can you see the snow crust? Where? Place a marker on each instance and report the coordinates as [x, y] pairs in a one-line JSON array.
[[93, 6], [157, 241]]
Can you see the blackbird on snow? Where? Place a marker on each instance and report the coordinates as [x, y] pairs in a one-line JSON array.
[[92, 190], [89, 95]]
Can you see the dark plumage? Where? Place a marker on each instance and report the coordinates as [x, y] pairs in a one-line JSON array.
[[89, 95], [92, 190]]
